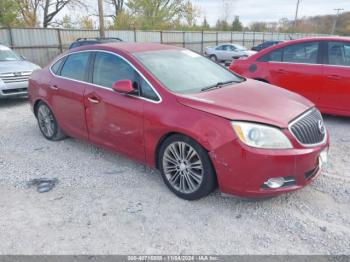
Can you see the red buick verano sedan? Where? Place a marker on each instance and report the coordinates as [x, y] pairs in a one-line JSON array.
[[197, 122], [317, 68]]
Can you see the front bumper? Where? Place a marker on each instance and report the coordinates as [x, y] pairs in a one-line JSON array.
[[13, 89], [242, 170]]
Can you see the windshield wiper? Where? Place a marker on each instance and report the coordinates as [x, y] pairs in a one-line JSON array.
[[219, 85]]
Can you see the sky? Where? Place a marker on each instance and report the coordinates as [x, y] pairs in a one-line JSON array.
[[266, 10]]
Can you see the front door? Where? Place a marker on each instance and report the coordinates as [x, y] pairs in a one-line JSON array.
[[114, 120]]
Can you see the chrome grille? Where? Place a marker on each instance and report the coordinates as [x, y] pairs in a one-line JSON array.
[[15, 77], [309, 129]]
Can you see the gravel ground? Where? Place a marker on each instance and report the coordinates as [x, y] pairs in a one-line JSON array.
[[108, 204]]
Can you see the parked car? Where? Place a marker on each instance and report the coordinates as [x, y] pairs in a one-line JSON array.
[[14, 73], [93, 41], [265, 44], [317, 68], [172, 109], [227, 52]]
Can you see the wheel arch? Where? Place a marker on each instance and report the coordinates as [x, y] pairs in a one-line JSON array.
[[262, 80]]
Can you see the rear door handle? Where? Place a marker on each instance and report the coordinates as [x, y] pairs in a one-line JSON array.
[[93, 100], [281, 71], [334, 77], [54, 87]]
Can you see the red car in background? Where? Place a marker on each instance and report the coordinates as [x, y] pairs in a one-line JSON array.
[[172, 109], [317, 68]]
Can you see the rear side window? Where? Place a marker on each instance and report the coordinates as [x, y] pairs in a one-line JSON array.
[[76, 66], [339, 53], [56, 67], [305, 53], [275, 55]]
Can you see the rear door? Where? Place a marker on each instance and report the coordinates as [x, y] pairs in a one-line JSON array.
[[335, 95], [298, 68], [67, 88]]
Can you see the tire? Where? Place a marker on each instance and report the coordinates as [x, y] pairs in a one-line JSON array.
[[47, 123], [213, 58], [186, 168]]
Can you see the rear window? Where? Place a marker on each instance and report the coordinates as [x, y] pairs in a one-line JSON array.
[[275, 55], [56, 67]]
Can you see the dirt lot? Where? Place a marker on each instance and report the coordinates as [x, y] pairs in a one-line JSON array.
[[107, 204]]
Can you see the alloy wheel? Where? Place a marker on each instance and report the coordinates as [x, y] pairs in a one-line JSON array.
[[183, 167], [46, 121]]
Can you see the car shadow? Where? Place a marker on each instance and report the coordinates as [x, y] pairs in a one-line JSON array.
[[12, 102]]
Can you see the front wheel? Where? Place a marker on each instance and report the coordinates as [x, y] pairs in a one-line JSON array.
[[213, 58], [48, 124], [186, 168]]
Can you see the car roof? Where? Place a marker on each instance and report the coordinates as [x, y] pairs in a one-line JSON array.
[[129, 47]]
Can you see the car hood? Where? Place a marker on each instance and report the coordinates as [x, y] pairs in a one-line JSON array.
[[17, 66], [250, 101]]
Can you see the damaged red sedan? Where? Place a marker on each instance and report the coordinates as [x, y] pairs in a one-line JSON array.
[[172, 109]]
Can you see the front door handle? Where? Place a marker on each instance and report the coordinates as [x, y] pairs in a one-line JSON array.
[[93, 100], [54, 87]]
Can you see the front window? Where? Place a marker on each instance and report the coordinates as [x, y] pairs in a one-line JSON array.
[[183, 71], [6, 54]]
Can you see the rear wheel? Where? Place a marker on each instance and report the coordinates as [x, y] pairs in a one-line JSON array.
[[48, 124], [186, 168]]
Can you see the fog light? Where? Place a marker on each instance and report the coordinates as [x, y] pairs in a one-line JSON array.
[[275, 182]]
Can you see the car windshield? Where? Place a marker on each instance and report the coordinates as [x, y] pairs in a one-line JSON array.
[[183, 71], [6, 54]]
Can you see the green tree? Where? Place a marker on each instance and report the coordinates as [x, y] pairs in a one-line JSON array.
[[190, 14], [237, 25], [258, 27], [222, 25], [156, 14], [9, 13], [205, 24]]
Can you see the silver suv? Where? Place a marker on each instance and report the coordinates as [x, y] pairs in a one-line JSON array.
[[14, 73]]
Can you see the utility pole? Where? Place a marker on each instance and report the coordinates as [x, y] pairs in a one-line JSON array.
[[335, 19], [296, 14], [101, 18]]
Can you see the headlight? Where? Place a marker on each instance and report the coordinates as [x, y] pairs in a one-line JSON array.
[[261, 136]]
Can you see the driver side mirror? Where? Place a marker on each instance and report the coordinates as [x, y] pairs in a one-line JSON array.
[[123, 87]]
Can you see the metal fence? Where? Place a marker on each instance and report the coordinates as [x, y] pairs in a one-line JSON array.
[[41, 45]]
